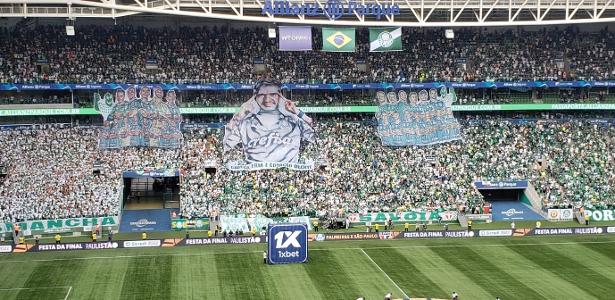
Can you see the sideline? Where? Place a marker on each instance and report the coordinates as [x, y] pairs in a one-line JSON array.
[[70, 289], [385, 273], [311, 249]]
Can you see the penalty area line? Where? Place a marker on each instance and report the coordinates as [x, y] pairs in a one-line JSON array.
[[385, 273]]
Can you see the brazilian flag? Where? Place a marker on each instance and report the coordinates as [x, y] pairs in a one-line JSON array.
[[338, 39]]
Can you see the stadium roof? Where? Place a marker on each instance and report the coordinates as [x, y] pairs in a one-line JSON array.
[[416, 13]]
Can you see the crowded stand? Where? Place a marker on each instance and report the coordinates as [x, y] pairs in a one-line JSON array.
[[569, 160], [132, 54]]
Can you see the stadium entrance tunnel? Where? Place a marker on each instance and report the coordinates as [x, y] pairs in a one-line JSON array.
[[149, 200], [510, 200], [501, 195], [150, 190]]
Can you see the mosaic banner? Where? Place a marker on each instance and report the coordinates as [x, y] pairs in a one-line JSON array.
[[143, 120], [417, 119], [269, 129]]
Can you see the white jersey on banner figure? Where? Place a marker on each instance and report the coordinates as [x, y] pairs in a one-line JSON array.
[[269, 127]]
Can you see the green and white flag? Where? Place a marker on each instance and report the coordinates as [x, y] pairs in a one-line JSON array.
[[384, 39], [338, 39]]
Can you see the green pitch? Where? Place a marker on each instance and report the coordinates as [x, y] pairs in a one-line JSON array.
[[580, 267]]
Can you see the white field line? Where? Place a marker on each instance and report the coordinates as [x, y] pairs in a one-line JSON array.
[[311, 249], [70, 289], [37, 288], [385, 273]]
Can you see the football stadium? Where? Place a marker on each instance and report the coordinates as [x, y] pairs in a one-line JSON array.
[[307, 149]]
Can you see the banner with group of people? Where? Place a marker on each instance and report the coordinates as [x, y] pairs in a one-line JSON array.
[[145, 119], [417, 119], [258, 222]]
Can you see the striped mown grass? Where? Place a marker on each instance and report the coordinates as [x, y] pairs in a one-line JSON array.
[[573, 267]]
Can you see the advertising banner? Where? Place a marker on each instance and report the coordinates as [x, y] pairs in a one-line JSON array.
[[562, 214], [566, 231], [329, 109], [287, 243], [344, 236], [495, 232], [150, 172], [92, 245], [513, 210], [479, 217], [343, 86], [330, 9], [501, 185], [295, 38], [190, 224], [439, 234], [145, 220], [60, 225], [142, 243], [223, 240], [75, 246], [6, 248]]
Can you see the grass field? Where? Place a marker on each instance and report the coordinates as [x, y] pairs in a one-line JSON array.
[[572, 267]]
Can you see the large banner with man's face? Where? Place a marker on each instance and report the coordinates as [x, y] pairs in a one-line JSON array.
[[269, 130], [147, 119]]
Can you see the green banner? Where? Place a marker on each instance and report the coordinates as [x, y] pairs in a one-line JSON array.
[[320, 109], [193, 224], [601, 214], [504, 107], [47, 112], [60, 225], [258, 222], [385, 39], [411, 216], [338, 39]]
